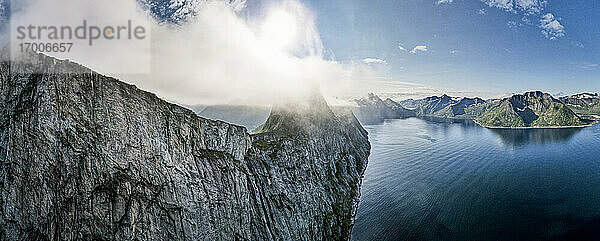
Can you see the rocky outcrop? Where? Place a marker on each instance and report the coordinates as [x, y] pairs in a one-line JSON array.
[[433, 104], [85, 156]]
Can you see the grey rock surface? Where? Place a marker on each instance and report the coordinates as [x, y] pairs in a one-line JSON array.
[[87, 157]]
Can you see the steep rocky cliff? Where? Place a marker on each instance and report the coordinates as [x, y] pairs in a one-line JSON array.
[[85, 156]]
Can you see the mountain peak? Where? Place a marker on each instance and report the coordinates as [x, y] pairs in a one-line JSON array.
[[586, 96], [299, 118], [531, 109], [373, 110], [139, 159], [373, 97]]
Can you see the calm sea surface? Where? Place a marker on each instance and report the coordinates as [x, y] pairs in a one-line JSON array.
[[432, 181]]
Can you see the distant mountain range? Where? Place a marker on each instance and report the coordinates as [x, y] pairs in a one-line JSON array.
[[586, 104], [532, 109], [446, 106], [373, 110], [528, 110]]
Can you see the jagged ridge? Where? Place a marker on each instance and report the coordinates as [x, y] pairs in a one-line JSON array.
[[532, 109], [584, 104], [85, 156], [373, 110]]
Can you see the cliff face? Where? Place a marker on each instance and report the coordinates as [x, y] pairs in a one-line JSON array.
[[85, 156]]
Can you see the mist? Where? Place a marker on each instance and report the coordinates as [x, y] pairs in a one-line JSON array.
[[217, 56]]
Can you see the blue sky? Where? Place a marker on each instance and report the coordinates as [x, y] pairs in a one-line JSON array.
[[486, 47]]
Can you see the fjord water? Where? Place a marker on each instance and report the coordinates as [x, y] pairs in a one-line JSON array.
[[434, 181]]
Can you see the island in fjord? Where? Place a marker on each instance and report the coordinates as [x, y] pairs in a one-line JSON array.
[[534, 109], [531, 110]]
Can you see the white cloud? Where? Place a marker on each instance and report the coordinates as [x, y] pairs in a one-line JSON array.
[[481, 11], [514, 25], [551, 27], [588, 66], [526, 20], [531, 6], [374, 61], [444, 1], [109, 57], [401, 47], [222, 57], [422, 48], [502, 4], [525, 6]]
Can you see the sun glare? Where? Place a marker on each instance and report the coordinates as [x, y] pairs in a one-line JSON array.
[[280, 29]]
